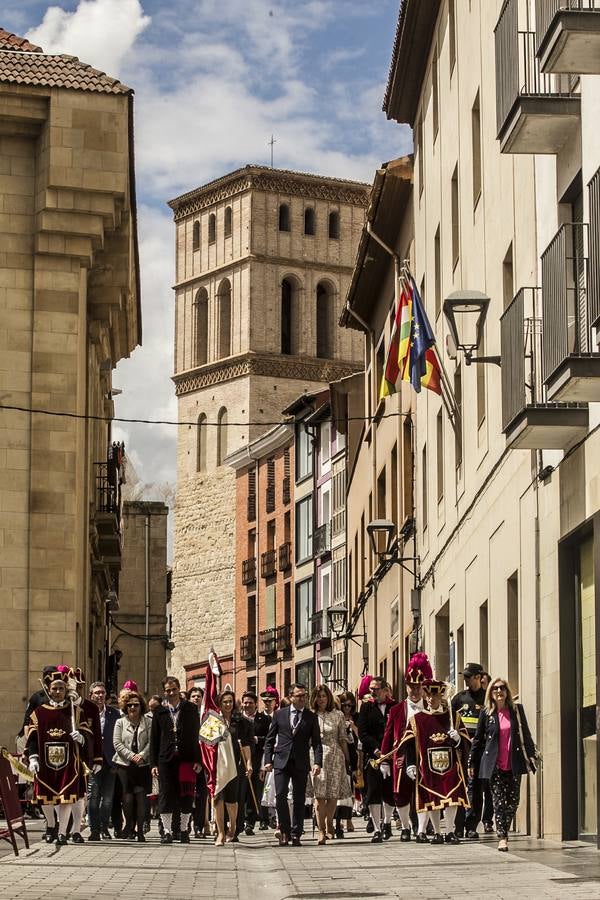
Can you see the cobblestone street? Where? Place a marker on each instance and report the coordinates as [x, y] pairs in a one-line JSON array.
[[258, 868]]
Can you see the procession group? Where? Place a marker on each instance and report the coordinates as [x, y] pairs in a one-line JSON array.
[[209, 765]]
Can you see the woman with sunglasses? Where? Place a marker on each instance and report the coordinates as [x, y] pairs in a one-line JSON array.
[[132, 750], [502, 751]]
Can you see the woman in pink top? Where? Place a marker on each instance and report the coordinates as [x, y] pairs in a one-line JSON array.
[[502, 751]]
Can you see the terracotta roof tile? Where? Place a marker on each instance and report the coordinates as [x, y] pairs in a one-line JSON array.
[[10, 41], [43, 70]]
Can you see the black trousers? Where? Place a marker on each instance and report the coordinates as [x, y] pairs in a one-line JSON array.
[[473, 815], [282, 785], [378, 788], [199, 810], [169, 795]]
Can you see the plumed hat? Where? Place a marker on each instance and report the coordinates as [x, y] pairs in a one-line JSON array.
[[418, 669], [77, 675], [432, 686], [55, 675], [363, 687], [270, 692], [130, 685]]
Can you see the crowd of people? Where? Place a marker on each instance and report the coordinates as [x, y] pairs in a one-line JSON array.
[[212, 766]]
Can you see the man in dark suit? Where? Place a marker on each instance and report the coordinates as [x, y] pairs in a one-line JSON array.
[[101, 785], [296, 730], [247, 814], [175, 758]]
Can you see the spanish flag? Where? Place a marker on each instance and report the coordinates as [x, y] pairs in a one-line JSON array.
[[411, 353]]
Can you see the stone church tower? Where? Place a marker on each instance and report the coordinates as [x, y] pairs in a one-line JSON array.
[[264, 258]]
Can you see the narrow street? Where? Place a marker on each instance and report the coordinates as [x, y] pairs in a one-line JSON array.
[[257, 869]]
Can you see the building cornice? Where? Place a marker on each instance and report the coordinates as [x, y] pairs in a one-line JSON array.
[[279, 181], [264, 445], [273, 365], [263, 258]]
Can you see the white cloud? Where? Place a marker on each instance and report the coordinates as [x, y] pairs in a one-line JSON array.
[[99, 32]]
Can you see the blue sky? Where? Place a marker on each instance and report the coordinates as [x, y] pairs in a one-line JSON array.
[[213, 79]]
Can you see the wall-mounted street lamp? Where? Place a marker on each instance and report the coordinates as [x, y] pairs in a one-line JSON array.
[[381, 532], [325, 667], [465, 312], [337, 616]]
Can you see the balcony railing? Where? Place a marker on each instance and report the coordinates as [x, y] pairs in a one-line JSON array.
[[285, 556], [520, 336], [108, 509], [249, 570], [319, 626], [322, 540], [594, 250], [267, 642], [248, 647], [283, 638], [546, 12], [518, 72], [268, 563], [529, 420], [567, 327]]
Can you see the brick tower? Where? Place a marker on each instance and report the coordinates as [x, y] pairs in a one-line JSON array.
[[264, 258]]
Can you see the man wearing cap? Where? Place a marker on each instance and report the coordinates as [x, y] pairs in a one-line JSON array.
[[417, 671], [468, 704], [270, 700], [436, 745], [58, 744]]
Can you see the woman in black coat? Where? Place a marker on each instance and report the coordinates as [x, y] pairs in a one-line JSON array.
[[502, 751]]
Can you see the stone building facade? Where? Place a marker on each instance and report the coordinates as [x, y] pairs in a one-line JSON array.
[[503, 98], [264, 609], [142, 584], [263, 262], [69, 298]]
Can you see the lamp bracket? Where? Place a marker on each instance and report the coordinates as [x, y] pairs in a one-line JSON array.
[[492, 360]]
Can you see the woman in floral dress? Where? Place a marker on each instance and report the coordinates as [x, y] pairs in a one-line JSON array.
[[333, 783]]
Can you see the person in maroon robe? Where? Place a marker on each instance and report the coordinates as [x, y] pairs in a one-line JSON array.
[[58, 745], [435, 745], [417, 672]]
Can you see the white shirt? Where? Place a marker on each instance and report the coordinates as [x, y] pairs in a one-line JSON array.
[[293, 713], [412, 708], [102, 719]]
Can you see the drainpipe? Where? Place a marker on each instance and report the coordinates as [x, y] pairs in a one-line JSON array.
[[147, 605]]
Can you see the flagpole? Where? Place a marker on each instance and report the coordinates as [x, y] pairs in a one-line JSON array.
[[449, 401]]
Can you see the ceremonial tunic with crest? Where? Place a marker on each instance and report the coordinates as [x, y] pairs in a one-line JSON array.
[[440, 763], [61, 778]]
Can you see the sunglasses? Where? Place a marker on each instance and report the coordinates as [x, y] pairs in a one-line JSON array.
[[133, 706], [499, 687]]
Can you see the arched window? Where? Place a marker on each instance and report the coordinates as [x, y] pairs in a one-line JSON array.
[[309, 220], [228, 221], [224, 298], [284, 217], [212, 228], [324, 320], [334, 226], [201, 444], [196, 236], [200, 336], [290, 293], [221, 436]]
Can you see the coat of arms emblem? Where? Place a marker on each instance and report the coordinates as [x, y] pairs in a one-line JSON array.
[[57, 755], [439, 760]]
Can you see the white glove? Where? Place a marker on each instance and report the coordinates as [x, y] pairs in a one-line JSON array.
[[78, 737], [454, 735], [34, 765], [385, 770], [411, 771], [97, 767]]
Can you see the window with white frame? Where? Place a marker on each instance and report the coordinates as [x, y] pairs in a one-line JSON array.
[[304, 610], [304, 453], [304, 529]]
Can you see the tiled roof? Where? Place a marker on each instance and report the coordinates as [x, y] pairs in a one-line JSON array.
[[43, 70], [10, 41]]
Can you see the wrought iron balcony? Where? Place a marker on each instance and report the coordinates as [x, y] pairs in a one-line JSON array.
[[249, 570], [529, 420], [268, 563], [267, 642], [322, 540], [283, 638], [107, 516], [568, 36], [319, 626], [535, 112], [248, 647], [285, 556]]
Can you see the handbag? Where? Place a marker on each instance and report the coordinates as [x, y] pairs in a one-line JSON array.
[[531, 767]]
